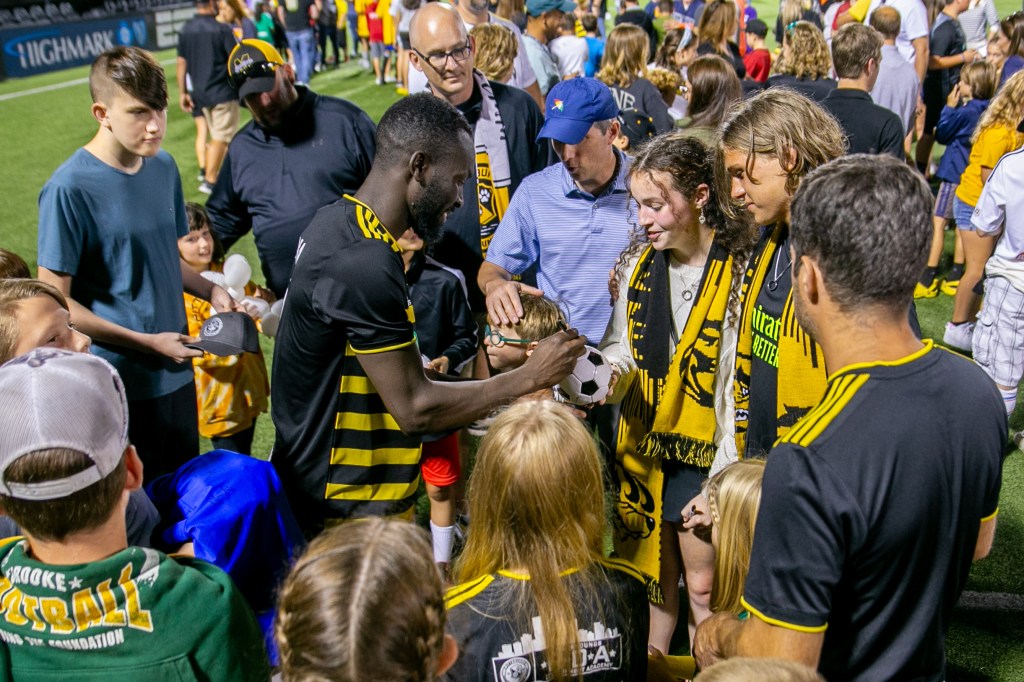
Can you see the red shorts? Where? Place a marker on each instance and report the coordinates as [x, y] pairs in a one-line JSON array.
[[440, 463]]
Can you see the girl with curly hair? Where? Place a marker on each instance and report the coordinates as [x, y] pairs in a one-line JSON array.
[[805, 63]]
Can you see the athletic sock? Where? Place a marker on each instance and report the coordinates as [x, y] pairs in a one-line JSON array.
[[1009, 399], [956, 272], [928, 277], [443, 538]]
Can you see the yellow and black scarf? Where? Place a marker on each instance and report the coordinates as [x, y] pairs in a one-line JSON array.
[[801, 374], [669, 408]]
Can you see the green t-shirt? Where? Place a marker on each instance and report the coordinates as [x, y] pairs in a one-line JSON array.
[[137, 615]]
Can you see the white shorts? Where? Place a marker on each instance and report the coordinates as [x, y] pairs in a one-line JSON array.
[[998, 340]]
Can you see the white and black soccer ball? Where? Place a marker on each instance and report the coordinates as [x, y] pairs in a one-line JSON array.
[[589, 380]]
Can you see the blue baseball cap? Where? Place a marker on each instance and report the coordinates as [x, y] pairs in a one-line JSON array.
[[535, 8], [573, 106]]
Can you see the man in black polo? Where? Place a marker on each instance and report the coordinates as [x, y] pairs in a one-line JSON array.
[[203, 48], [869, 128], [301, 151], [873, 505]]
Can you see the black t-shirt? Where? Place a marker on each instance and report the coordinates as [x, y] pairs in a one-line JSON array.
[[947, 40], [870, 512], [498, 646], [763, 424], [296, 15], [338, 451], [641, 94], [460, 244], [206, 44], [869, 128]]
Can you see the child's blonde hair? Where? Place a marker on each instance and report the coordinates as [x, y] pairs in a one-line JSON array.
[[734, 496], [538, 506], [496, 50], [540, 319], [982, 77], [666, 81]]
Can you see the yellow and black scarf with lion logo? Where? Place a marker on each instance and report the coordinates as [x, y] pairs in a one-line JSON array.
[[669, 408]]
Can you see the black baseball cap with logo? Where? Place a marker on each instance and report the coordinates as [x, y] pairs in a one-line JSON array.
[[228, 334], [251, 67]]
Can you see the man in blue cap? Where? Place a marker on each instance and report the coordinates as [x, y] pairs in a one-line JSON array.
[[544, 20], [570, 219]]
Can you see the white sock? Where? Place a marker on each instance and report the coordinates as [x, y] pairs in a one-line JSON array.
[[443, 538], [1009, 399]]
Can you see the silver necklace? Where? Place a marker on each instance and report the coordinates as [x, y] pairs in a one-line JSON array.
[[774, 283]]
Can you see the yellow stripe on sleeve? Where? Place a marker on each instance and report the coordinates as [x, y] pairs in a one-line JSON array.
[[781, 623], [396, 346], [990, 516]]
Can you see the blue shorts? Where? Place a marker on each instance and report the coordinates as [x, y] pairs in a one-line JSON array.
[[962, 215]]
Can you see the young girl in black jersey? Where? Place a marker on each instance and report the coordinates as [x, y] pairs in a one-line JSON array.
[[537, 599]]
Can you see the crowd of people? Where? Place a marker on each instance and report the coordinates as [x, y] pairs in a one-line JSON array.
[[741, 234]]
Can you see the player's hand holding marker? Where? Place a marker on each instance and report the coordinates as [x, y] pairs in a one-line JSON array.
[[554, 358]]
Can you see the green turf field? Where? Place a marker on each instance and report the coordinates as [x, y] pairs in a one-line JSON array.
[[44, 118]]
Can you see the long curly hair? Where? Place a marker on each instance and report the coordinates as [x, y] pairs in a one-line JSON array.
[[805, 53], [689, 164]]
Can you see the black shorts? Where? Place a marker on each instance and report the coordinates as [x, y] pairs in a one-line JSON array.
[[403, 38], [682, 484]]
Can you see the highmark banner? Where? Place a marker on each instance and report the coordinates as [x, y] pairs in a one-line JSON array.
[[48, 48], [39, 49]]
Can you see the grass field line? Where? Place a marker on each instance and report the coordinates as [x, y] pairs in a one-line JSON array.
[[59, 86], [1006, 602]]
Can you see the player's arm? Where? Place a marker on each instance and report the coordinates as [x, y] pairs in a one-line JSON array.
[[168, 344], [200, 287], [986, 536], [420, 405], [726, 636]]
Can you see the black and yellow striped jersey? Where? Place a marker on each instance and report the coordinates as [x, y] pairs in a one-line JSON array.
[[870, 511], [338, 450]]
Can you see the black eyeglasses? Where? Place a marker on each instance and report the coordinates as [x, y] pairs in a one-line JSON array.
[[239, 74], [439, 60]]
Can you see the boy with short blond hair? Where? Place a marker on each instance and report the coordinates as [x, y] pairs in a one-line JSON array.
[[75, 596]]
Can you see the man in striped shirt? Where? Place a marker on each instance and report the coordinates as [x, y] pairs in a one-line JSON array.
[[570, 219]]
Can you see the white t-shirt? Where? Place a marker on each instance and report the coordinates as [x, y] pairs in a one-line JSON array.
[[570, 54], [522, 73], [1001, 208], [913, 23]]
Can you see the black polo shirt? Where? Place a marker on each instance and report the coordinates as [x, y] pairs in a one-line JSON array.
[[205, 45], [869, 128], [870, 513], [296, 15]]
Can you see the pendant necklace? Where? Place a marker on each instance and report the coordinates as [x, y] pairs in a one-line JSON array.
[[774, 283]]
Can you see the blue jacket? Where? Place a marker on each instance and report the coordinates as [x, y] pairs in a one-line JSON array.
[[954, 129]]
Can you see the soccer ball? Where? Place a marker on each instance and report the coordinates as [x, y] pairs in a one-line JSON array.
[[589, 380]]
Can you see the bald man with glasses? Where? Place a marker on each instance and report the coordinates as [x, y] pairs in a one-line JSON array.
[[505, 122]]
